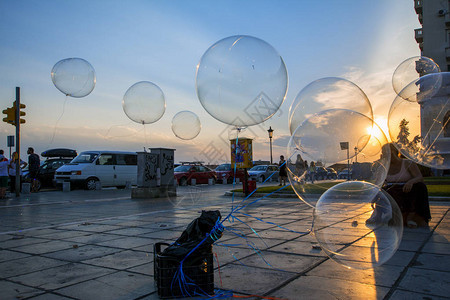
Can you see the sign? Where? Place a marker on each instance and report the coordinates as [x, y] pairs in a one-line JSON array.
[[344, 145], [10, 141], [241, 153]]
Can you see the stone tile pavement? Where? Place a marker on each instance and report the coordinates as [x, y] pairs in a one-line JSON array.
[[112, 257]]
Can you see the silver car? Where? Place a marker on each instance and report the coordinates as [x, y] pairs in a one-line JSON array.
[[262, 172]]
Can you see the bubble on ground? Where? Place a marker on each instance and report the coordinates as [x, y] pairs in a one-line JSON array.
[[358, 225]]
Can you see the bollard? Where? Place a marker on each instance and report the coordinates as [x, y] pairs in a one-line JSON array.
[[26, 187], [237, 181], [224, 180], [193, 181], [261, 179], [128, 185], [66, 186], [210, 181]]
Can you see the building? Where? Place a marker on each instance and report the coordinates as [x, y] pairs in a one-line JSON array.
[[434, 36], [434, 42]]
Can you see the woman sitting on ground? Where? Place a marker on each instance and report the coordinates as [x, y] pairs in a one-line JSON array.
[[404, 183]]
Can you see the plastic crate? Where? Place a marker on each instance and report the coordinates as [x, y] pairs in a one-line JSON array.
[[199, 270]]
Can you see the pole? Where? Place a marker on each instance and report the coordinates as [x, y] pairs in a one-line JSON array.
[[348, 163], [271, 161], [17, 187]]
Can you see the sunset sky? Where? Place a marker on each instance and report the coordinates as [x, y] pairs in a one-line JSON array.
[[163, 41]]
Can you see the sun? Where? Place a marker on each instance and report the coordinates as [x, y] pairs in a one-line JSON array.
[[381, 132]]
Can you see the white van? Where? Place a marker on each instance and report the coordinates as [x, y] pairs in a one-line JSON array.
[[110, 168]]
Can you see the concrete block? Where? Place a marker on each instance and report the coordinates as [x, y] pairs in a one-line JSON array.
[[66, 186], [26, 187]]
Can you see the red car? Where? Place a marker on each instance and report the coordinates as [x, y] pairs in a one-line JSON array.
[[186, 172], [226, 172]]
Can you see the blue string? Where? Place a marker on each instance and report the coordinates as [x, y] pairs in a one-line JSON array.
[[184, 282]]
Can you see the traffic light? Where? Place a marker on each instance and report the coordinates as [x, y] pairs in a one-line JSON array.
[[21, 113], [10, 113]]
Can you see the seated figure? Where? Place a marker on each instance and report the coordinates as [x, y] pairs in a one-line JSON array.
[[404, 183]]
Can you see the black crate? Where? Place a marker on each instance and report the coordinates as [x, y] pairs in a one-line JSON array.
[[199, 270]]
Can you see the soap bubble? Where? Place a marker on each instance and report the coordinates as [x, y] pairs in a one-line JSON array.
[[424, 87], [74, 77], [411, 69], [186, 125], [144, 102], [358, 225], [420, 129], [327, 93], [241, 80], [338, 136]]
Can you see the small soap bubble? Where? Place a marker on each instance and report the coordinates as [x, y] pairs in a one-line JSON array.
[[186, 125], [74, 77], [144, 102]]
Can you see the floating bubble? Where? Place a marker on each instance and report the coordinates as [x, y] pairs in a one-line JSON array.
[[324, 94], [186, 125], [144, 102], [411, 69], [241, 80], [338, 137], [358, 225], [420, 129], [74, 77], [424, 87]]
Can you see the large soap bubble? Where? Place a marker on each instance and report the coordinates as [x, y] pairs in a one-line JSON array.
[[338, 136], [327, 93], [358, 225], [420, 128], [74, 77], [241, 80], [144, 102], [186, 125], [411, 69]]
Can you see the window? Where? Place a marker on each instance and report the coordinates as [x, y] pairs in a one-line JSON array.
[[126, 159], [105, 159], [85, 158]]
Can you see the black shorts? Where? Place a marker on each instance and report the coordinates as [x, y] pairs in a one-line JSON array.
[[34, 174]]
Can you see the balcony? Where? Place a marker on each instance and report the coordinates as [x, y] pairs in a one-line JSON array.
[[419, 35], [418, 6]]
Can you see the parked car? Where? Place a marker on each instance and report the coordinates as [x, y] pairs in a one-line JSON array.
[[344, 174], [55, 159], [321, 173], [226, 172], [187, 171], [332, 174], [262, 172], [110, 168]]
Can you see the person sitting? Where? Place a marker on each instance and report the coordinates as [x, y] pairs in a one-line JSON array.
[[404, 183]]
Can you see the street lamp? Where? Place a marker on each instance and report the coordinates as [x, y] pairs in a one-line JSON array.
[[270, 131], [356, 154]]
